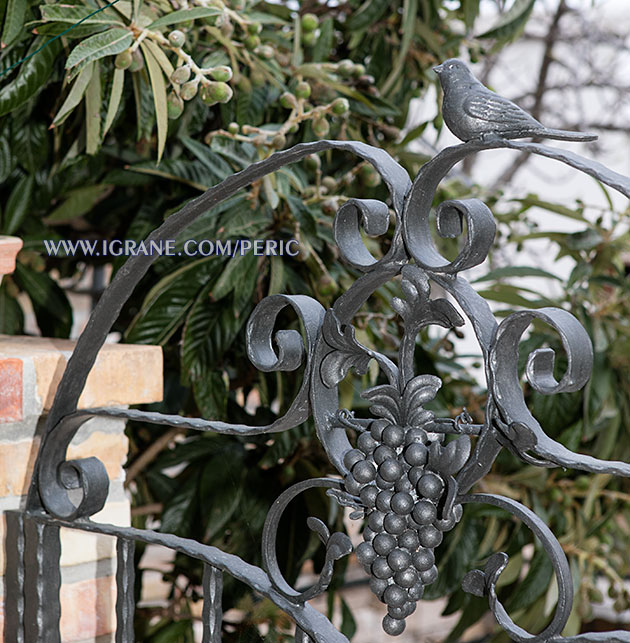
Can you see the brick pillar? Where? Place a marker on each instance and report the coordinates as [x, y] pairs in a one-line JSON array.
[[30, 371]]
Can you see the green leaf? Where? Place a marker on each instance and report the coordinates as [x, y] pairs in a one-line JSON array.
[[236, 271], [32, 76], [511, 22], [368, 14], [167, 303], [93, 114], [11, 315], [77, 203], [160, 56], [532, 201], [516, 271], [114, 99], [211, 395], [184, 15], [18, 204], [76, 94], [159, 98], [14, 21], [30, 145], [7, 160], [535, 583], [471, 11], [323, 45], [72, 14], [348, 624], [211, 160], [50, 304], [107, 43]]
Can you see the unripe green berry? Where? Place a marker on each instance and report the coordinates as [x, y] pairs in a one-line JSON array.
[[265, 51], [358, 70], [234, 128], [326, 286], [177, 38], [254, 28], [174, 105], [206, 97], [312, 162], [137, 62], [181, 75], [219, 92], [123, 60], [340, 106], [309, 38], [223, 73], [288, 100], [310, 22], [251, 42], [303, 90], [321, 127], [345, 67], [189, 90], [330, 183], [369, 176], [278, 141]]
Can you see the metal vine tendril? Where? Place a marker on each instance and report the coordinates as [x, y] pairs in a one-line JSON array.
[[401, 476]]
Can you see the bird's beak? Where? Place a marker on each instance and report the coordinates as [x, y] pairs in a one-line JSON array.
[[438, 69]]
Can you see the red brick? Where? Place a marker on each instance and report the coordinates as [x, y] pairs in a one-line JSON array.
[[10, 389]]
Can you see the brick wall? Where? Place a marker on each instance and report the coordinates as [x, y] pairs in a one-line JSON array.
[[30, 371]]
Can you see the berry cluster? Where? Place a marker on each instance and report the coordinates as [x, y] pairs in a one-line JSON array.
[[389, 473]]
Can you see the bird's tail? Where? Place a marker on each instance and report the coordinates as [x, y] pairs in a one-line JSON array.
[[565, 135]]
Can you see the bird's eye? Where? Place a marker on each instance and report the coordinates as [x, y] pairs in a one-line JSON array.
[[451, 66]]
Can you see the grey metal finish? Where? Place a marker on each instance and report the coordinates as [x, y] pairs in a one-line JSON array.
[[401, 476], [125, 577]]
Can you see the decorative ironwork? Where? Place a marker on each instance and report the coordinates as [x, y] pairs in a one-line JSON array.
[[402, 477]]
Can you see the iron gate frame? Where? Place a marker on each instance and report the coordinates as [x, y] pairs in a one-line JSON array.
[[413, 461]]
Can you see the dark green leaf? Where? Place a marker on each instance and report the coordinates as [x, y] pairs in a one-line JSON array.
[[167, 303], [11, 315], [368, 14], [512, 22], [78, 202], [52, 308], [31, 146], [18, 204], [14, 21], [32, 76], [534, 585]]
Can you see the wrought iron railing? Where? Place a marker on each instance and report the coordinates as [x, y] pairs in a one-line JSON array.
[[401, 476]]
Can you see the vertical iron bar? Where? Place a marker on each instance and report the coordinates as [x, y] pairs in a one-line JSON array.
[[212, 610], [14, 578], [125, 600], [42, 582]]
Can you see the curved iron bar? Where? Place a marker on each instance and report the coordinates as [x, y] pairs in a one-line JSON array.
[[484, 583], [337, 544], [408, 484]]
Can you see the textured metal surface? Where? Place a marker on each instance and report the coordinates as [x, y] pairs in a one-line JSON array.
[[42, 581], [125, 599], [401, 476], [212, 613], [14, 577]]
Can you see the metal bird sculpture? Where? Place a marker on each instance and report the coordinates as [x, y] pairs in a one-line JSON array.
[[472, 111]]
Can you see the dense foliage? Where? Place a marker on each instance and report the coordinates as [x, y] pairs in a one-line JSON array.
[[111, 128]]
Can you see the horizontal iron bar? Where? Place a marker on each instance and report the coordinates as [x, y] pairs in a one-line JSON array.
[[441, 425]]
